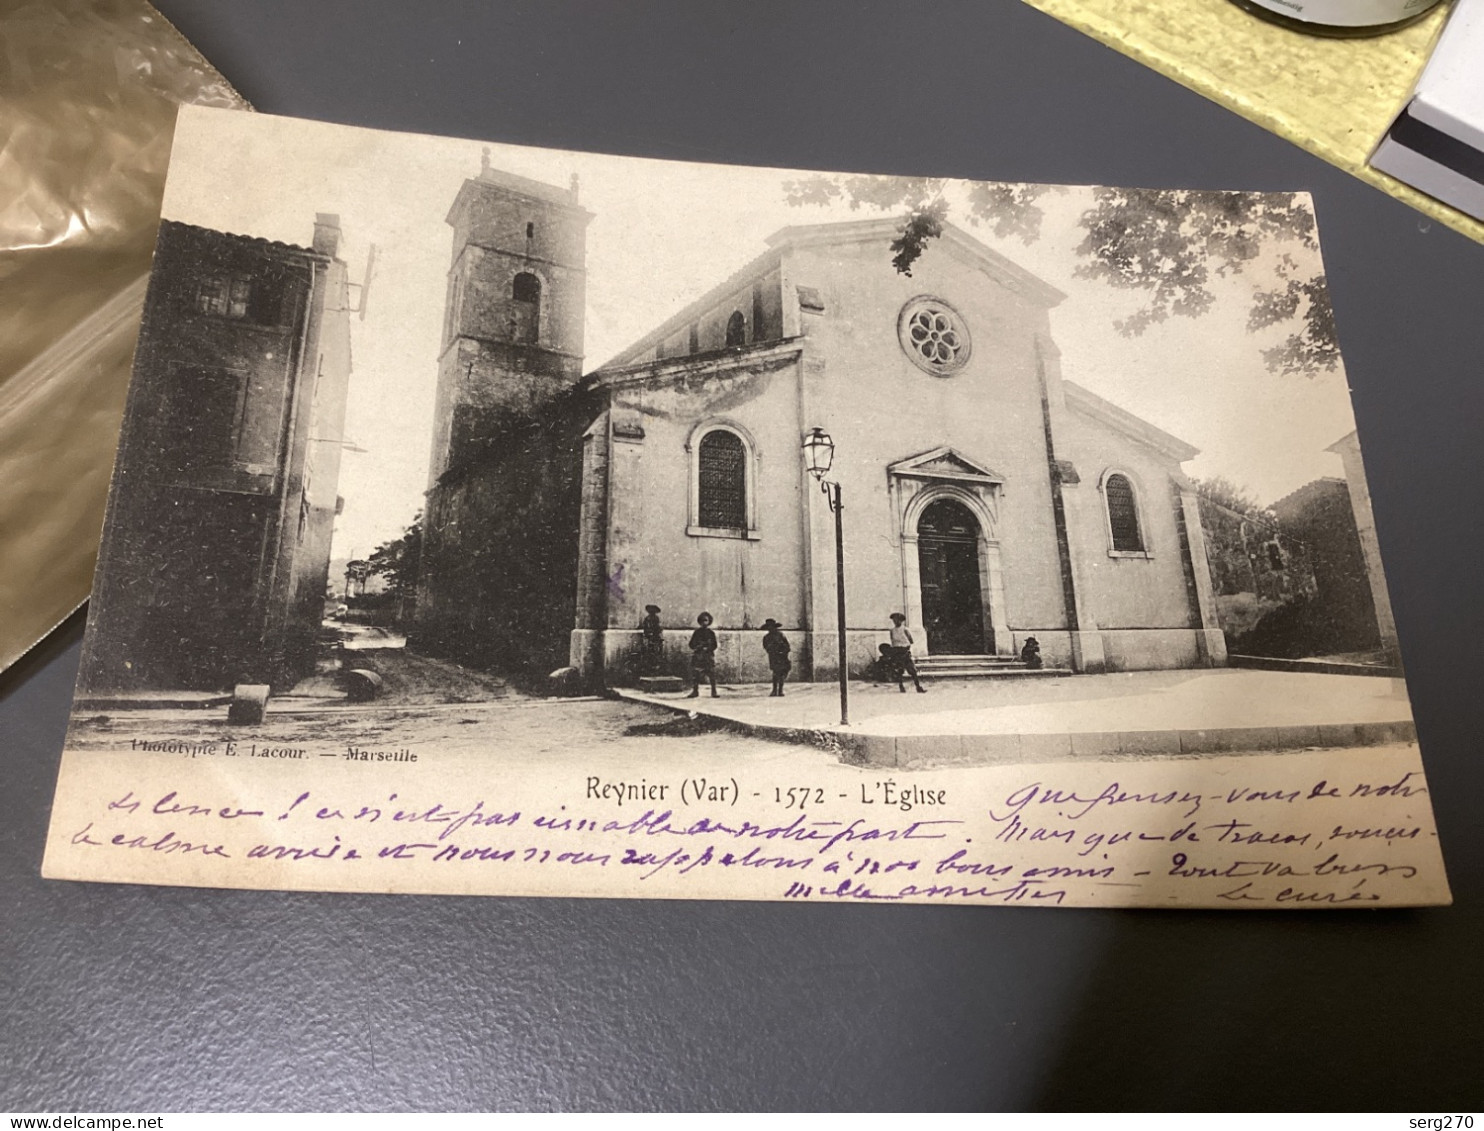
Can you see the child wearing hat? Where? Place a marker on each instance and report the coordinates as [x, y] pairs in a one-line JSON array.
[[777, 647], [703, 656], [652, 641], [1030, 654], [901, 653]]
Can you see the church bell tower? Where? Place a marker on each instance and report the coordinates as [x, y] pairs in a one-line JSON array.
[[512, 327]]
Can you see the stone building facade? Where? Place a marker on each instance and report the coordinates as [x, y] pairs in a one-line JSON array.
[[1319, 517], [985, 497], [217, 539], [500, 525], [1347, 448]]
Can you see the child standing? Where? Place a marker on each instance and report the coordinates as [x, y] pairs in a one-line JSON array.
[[703, 656], [901, 653], [777, 647], [652, 642]]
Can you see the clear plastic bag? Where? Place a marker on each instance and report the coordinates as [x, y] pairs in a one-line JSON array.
[[88, 92]]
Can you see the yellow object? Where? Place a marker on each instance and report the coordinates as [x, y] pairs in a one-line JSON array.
[[1333, 97], [88, 94]]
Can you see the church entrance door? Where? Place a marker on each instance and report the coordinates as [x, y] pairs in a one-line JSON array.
[[948, 564]]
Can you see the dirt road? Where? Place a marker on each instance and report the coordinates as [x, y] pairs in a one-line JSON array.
[[516, 730], [408, 679]]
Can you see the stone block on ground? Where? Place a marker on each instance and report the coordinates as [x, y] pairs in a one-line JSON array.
[[660, 684], [1226, 740], [991, 748], [1384, 733], [1099, 744], [1339, 734], [1147, 742], [929, 749], [564, 681], [361, 685], [249, 702], [1045, 747], [865, 749]]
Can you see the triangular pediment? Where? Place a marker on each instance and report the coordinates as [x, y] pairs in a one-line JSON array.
[[946, 463]]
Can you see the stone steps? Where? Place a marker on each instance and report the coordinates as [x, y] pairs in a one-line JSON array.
[[660, 684], [982, 667]]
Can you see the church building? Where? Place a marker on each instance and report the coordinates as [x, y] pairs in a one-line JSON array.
[[984, 497]]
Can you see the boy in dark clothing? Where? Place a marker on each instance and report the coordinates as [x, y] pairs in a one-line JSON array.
[[777, 647], [883, 668], [652, 641], [1030, 655], [703, 656]]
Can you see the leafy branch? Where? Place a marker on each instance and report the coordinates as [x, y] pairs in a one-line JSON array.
[[1169, 244]]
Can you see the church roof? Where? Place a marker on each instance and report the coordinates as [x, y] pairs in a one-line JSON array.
[[755, 356], [1002, 270], [738, 279], [884, 230], [1121, 420]]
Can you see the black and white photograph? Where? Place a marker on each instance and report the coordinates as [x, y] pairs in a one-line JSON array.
[[646, 487]]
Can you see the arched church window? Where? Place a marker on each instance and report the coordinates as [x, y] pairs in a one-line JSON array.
[[1123, 515], [736, 329], [722, 481], [525, 307], [723, 459]]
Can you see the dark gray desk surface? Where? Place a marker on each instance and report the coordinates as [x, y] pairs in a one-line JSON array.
[[159, 999]]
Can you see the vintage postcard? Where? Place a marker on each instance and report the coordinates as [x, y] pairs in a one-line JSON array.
[[495, 520]]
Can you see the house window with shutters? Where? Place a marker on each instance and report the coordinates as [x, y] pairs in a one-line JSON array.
[[723, 470], [240, 297]]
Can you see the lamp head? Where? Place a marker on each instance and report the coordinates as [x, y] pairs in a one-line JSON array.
[[819, 453]]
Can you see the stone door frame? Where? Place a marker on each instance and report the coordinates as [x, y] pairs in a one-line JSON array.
[[944, 473]]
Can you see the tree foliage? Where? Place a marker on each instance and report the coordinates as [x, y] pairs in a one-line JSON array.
[[1168, 244], [1314, 345], [400, 559], [1009, 210], [1223, 492]]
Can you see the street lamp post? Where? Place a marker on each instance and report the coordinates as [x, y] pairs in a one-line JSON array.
[[819, 456]]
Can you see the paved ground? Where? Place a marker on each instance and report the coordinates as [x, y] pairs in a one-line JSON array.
[[1179, 700], [1082, 717], [432, 702]]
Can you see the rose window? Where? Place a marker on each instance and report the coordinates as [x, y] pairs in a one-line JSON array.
[[934, 336]]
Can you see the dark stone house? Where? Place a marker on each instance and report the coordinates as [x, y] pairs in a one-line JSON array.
[[225, 488]]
